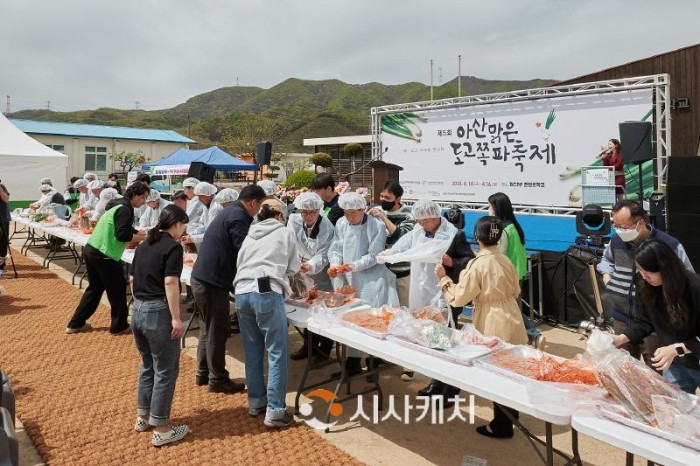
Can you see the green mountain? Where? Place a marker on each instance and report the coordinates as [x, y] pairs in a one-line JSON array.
[[236, 117]]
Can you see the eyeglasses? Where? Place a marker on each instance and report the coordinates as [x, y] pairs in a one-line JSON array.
[[627, 227], [308, 213]]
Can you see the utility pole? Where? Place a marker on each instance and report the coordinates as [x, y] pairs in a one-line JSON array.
[[7, 106], [48, 105], [431, 80], [440, 75], [236, 81], [459, 75], [136, 104]]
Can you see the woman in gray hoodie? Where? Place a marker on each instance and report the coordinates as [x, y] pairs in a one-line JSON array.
[[267, 257]]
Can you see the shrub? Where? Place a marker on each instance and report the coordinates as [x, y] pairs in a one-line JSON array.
[[321, 159], [352, 150], [300, 179]]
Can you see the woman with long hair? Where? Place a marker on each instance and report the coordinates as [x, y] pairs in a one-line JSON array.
[[612, 157], [155, 320], [490, 282], [669, 306], [512, 244]]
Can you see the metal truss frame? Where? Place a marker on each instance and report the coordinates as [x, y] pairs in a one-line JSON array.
[[659, 84]]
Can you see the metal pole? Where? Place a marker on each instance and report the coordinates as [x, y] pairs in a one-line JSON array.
[[431, 80], [459, 75]]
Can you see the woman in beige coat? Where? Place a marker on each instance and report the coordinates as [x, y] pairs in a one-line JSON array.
[[491, 283]]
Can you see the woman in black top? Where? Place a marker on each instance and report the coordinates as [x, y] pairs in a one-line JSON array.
[[155, 285], [669, 306]]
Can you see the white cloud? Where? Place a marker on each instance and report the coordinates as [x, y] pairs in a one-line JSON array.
[[85, 54]]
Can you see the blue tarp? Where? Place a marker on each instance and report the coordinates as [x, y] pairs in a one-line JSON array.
[[212, 156]]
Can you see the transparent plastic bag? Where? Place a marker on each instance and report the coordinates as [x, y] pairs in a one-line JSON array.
[[469, 335], [301, 285], [324, 317], [425, 332], [677, 417]]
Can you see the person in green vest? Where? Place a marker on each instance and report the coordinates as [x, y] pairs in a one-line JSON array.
[[512, 245], [102, 256]]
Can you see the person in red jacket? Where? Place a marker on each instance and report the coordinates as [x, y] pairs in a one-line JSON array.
[[613, 158]]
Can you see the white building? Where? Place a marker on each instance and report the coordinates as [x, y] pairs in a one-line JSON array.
[[88, 147]]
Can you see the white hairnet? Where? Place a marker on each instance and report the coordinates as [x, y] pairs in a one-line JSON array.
[[153, 195], [96, 184], [204, 189], [226, 195], [109, 194], [425, 209], [308, 201], [190, 182], [90, 176], [46, 181], [45, 188], [268, 186], [80, 183], [352, 201]]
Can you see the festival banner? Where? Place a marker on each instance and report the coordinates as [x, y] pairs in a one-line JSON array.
[[531, 150]]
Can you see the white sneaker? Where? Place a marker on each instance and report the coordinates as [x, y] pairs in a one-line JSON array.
[[282, 419], [141, 425], [173, 435], [407, 376], [540, 342], [84, 328]]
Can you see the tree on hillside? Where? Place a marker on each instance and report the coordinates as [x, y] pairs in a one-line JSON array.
[[242, 132], [321, 159]]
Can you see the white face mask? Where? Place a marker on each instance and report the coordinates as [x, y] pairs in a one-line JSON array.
[[627, 235], [491, 212]]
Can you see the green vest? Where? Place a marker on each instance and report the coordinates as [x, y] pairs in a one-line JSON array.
[[516, 251], [103, 239]]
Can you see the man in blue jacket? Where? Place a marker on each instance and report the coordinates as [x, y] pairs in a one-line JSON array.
[[618, 269], [212, 281]]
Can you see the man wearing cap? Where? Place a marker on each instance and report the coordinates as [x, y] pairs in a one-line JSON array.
[[102, 254], [205, 193], [154, 206], [212, 281], [194, 206]]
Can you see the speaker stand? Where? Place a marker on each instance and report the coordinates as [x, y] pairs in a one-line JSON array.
[[641, 188]]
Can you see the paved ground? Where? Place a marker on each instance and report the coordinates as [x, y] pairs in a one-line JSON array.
[[416, 444]]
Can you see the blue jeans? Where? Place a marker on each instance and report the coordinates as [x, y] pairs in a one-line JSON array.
[[263, 323], [532, 332], [687, 379], [160, 355]]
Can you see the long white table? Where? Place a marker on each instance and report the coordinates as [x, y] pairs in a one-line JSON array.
[[479, 381], [633, 441]]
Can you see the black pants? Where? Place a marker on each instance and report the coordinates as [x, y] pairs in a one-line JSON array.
[[213, 305], [321, 345], [4, 242], [501, 424], [104, 274]]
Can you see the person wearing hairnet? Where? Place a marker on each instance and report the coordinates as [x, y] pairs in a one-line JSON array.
[[448, 246], [154, 206], [271, 191], [46, 181], [205, 192], [80, 186], [49, 196], [194, 207], [314, 234], [358, 239], [106, 195], [94, 188], [88, 176], [222, 199]]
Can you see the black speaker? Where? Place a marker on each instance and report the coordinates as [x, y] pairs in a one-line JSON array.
[[263, 154], [635, 141], [683, 203], [202, 172], [683, 170]]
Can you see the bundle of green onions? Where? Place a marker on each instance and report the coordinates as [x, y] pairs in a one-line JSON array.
[[403, 125]]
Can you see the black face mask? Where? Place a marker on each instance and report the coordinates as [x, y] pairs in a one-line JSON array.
[[387, 205]]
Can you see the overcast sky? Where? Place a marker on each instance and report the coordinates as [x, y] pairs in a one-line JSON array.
[[85, 54]]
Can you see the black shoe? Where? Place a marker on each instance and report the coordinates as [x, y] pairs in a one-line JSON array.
[[301, 353], [486, 431], [434, 388], [235, 328], [318, 361], [201, 380], [227, 387]]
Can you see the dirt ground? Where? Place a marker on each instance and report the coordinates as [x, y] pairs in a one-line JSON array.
[[418, 443]]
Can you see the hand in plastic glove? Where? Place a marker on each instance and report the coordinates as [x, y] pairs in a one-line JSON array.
[[305, 267], [663, 357], [376, 212], [440, 271]]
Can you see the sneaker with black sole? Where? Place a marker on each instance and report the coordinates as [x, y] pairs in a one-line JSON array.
[[84, 328], [227, 387], [277, 420], [173, 435], [122, 332], [141, 425]]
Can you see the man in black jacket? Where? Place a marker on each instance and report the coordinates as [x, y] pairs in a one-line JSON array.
[[324, 185], [212, 281]]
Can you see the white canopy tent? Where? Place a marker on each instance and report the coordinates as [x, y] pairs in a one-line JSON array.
[[24, 161]]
